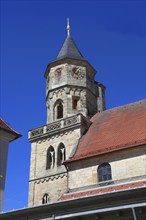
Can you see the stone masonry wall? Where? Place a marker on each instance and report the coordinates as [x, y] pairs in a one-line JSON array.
[[62, 84], [70, 85], [126, 164], [38, 171], [53, 186]]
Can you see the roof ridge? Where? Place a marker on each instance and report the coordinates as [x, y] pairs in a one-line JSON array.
[[119, 107], [128, 104]]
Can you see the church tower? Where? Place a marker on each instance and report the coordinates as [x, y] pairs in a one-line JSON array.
[[72, 98]]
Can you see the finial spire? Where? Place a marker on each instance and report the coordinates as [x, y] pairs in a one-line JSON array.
[[68, 27]]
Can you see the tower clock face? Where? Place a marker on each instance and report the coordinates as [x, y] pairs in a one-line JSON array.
[[78, 73]]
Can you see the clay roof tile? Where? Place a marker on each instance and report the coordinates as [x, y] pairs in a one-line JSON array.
[[98, 190], [114, 129]]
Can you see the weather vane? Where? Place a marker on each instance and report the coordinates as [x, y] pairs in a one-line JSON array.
[[68, 27]]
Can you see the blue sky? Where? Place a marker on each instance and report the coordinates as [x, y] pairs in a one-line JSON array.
[[109, 34]]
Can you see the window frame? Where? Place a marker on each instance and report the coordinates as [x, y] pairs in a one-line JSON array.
[[59, 154], [104, 172], [59, 110], [45, 198], [58, 113], [75, 102], [49, 161]]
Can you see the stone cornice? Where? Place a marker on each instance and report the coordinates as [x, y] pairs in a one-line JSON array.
[[59, 126], [69, 61], [49, 178], [67, 88]]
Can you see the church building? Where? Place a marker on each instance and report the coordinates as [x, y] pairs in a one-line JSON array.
[[72, 98], [86, 162]]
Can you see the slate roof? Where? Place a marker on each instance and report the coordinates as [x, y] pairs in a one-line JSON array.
[[115, 129], [69, 50], [4, 126], [103, 190]]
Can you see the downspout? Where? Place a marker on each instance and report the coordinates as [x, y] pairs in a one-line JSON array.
[[134, 214], [67, 176]]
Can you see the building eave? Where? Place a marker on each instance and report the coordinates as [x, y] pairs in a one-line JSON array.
[[100, 203], [109, 150], [67, 60], [4, 127]]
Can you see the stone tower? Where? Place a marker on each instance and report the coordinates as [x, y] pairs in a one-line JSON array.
[[72, 97]]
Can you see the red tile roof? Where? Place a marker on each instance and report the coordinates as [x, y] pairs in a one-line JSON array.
[[4, 126], [113, 130], [102, 190]]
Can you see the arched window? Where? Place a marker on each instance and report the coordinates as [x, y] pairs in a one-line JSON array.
[[58, 109], [104, 172], [50, 158], [45, 198], [61, 154]]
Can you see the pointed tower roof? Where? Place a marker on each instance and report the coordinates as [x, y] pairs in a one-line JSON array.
[[69, 48]]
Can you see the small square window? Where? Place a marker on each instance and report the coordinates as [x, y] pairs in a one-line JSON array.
[[75, 100]]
